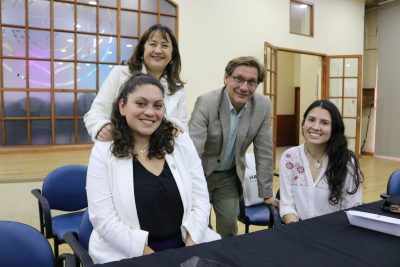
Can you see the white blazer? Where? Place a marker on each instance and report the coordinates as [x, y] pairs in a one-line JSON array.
[[111, 200], [100, 111]]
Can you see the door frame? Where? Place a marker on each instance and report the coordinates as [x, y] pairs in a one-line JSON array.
[[273, 93], [271, 70]]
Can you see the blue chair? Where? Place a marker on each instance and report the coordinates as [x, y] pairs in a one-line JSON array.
[[64, 189], [23, 245], [393, 185], [259, 214], [79, 241]]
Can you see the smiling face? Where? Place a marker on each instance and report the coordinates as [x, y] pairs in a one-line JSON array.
[[157, 53], [143, 110], [317, 126], [238, 87]]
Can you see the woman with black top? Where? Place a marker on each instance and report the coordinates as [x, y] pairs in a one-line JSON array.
[[146, 189]]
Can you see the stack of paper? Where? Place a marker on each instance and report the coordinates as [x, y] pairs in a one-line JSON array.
[[375, 222]]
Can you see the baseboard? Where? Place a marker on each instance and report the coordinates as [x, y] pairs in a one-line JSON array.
[[38, 149], [367, 153]]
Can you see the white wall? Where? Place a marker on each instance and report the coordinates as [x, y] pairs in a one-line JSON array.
[[211, 32], [388, 94]]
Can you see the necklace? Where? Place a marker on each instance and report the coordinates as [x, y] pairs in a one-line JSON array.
[[142, 149], [317, 161]]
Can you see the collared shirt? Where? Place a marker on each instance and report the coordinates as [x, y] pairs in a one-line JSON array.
[[228, 157]]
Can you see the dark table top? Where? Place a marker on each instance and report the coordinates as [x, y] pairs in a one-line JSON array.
[[327, 240]]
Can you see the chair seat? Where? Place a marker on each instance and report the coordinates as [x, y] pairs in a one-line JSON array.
[[258, 214], [66, 223]]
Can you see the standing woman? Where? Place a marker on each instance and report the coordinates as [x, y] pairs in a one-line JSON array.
[[146, 189], [157, 54], [322, 175]]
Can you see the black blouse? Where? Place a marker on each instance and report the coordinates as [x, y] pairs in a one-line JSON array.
[[158, 202]]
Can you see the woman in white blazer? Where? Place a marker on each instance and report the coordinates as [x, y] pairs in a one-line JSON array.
[[149, 174], [157, 54]]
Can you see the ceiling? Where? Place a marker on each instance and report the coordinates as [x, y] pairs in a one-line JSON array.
[[374, 3]]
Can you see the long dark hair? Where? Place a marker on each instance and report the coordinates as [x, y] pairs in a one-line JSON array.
[[341, 159], [172, 70], [161, 141]]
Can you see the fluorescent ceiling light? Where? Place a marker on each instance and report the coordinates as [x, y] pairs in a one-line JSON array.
[[385, 2]]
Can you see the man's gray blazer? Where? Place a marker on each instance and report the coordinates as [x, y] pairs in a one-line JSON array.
[[209, 128]]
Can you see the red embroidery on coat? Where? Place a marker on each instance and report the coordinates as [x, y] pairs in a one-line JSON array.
[[300, 169], [289, 165]]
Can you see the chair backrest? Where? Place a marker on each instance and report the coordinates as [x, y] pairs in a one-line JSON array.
[[65, 188], [79, 242], [250, 184], [393, 186], [23, 245], [85, 230]]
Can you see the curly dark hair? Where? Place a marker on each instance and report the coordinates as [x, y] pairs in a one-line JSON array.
[[172, 70], [341, 159], [161, 141]]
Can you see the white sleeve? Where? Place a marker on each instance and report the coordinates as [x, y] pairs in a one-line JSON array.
[[182, 109], [351, 200], [177, 112], [286, 203], [197, 221], [102, 211], [100, 111]]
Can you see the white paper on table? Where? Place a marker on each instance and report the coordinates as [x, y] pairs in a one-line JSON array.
[[375, 222]]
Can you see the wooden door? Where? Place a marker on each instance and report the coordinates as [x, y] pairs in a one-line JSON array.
[[344, 90], [270, 85]]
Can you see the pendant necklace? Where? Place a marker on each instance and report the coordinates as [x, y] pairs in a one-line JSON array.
[[142, 149], [317, 161]]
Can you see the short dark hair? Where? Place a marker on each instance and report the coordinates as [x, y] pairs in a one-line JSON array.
[[161, 141], [245, 61]]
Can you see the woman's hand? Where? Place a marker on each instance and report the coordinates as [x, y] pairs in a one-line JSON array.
[[147, 250], [290, 218], [105, 133], [189, 241]]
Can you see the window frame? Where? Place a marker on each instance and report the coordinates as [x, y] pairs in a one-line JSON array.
[[171, 11], [311, 22]]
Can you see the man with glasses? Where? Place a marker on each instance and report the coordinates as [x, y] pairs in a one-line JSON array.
[[223, 124]]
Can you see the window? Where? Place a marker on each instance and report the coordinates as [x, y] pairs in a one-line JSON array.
[[301, 18], [55, 57]]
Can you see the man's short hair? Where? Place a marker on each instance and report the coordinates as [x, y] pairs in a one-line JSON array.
[[246, 61]]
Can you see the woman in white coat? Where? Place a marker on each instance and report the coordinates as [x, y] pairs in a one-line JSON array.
[[157, 54], [146, 189]]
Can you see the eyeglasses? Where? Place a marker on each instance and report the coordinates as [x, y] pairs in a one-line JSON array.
[[239, 81]]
